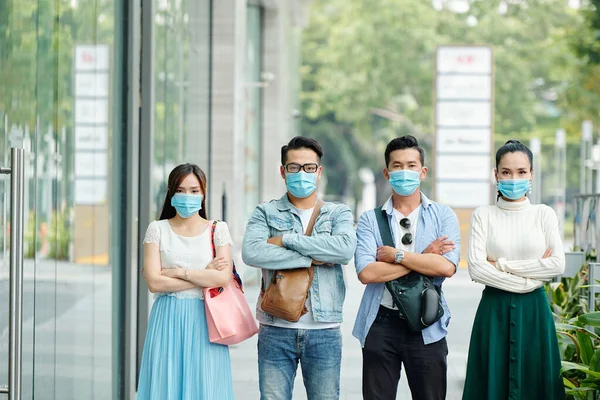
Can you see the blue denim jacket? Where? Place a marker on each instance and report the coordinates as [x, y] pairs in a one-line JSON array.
[[435, 220], [333, 241]]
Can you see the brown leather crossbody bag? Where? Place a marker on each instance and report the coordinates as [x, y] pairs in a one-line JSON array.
[[286, 295]]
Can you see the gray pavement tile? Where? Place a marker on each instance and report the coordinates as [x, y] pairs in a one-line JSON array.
[[462, 296]]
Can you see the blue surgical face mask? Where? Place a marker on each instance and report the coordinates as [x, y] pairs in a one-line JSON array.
[[187, 204], [514, 189], [301, 184], [405, 181]]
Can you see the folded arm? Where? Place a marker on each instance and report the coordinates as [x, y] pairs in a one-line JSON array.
[[540, 268], [336, 248], [256, 252], [368, 269], [433, 265], [214, 277], [381, 272], [152, 273], [438, 265], [482, 271]]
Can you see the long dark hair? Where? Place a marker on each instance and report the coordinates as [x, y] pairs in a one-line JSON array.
[[177, 176]]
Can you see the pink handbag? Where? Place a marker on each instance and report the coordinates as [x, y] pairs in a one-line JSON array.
[[228, 315]]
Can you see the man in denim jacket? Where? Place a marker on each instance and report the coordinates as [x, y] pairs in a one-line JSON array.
[[275, 240]]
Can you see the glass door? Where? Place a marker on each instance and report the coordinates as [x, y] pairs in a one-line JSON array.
[[11, 289], [59, 89]]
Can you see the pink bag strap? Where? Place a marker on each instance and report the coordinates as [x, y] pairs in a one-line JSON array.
[[236, 276]]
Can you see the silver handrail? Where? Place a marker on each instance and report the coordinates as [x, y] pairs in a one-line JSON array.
[[15, 323]]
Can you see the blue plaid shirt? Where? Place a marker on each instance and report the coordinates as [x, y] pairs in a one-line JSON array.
[[435, 220]]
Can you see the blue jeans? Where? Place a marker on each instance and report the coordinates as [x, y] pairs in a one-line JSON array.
[[319, 352]]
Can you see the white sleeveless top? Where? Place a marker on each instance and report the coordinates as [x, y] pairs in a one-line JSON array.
[[186, 252]]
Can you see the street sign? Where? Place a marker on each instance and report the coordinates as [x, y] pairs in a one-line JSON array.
[[457, 140], [92, 90], [463, 125], [465, 60]]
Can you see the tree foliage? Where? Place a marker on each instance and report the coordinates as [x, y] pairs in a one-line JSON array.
[[369, 66]]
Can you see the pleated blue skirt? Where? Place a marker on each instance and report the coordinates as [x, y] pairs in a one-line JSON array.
[[179, 362]]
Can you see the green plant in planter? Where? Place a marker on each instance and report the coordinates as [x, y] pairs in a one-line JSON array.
[[59, 236], [580, 352], [568, 298]]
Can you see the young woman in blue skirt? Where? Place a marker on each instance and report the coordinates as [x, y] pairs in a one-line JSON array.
[[179, 362], [515, 247]]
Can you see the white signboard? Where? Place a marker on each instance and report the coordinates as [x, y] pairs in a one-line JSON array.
[[464, 60], [470, 195], [93, 112], [90, 191], [472, 167], [452, 87], [463, 140], [91, 165], [92, 90], [94, 57], [91, 84], [464, 114], [91, 137]]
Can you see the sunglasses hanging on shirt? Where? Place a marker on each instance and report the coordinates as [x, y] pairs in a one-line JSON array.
[[407, 238]]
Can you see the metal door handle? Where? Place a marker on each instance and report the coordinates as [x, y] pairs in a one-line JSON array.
[[15, 323]]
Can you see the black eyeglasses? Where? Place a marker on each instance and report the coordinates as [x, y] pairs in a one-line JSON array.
[[294, 168], [407, 238]]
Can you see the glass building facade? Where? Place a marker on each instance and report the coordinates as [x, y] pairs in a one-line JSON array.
[[106, 97], [60, 100]]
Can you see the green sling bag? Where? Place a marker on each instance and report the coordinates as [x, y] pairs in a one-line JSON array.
[[415, 295]]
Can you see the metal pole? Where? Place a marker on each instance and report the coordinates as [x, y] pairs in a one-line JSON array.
[[596, 158], [556, 173], [582, 168], [560, 159], [593, 290], [586, 149], [536, 192], [224, 204], [4, 171], [15, 348], [563, 166]]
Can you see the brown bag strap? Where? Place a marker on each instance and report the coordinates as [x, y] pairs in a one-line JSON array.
[[314, 216], [311, 225]]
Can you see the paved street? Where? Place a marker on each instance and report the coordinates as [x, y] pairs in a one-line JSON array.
[[73, 320], [463, 297], [70, 308]]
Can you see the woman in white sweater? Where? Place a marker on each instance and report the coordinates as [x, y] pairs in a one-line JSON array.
[[514, 248]]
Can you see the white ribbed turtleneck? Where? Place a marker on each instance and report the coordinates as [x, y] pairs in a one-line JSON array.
[[515, 235]]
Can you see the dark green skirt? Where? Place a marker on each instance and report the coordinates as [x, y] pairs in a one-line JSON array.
[[514, 350]]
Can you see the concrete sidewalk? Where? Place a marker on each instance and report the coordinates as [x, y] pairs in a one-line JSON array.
[[463, 297]]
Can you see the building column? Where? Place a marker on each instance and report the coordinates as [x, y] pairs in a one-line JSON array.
[[227, 138], [197, 130], [283, 21]]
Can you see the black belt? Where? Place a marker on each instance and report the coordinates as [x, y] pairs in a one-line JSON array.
[[388, 312]]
